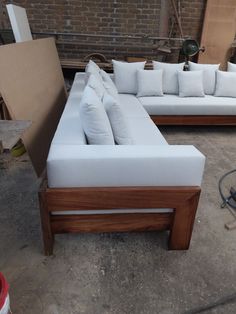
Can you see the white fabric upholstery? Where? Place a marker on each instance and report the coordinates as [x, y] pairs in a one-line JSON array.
[[131, 106], [225, 84], [191, 84], [118, 121], [231, 67], [151, 162], [170, 75], [96, 84], [149, 83], [94, 119], [109, 84], [124, 165], [209, 75], [145, 132], [70, 131], [126, 76], [175, 105], [92, 68]]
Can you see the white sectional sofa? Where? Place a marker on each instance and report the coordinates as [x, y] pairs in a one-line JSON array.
[[217, 107], [149, 185]]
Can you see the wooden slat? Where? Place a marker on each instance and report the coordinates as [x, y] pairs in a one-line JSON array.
[[48, 236], [117, 197], [183, 200], [194, 120], [110, 222], [183, 221]]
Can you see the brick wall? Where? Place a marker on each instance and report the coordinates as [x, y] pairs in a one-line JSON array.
[[141, 17]]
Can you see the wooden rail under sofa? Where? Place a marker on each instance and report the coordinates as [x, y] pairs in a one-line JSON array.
[[184, 201], [193, 120]]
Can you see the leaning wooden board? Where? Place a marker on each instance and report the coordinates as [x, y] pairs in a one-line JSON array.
[[218, 32], [33, 89]]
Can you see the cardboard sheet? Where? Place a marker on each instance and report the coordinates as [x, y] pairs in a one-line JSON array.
[[218, 32], [33, 88]]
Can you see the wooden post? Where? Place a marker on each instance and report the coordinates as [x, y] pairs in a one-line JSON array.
[[48, 237], [164, 18], [182, 226]]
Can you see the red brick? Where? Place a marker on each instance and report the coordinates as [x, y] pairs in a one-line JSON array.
[[132, 17]]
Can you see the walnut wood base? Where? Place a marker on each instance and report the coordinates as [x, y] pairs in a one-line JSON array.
[[184, 201], [194, 120]]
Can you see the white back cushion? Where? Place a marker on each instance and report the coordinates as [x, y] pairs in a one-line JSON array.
[[209, 75], [191, 84], [126, 76], [119, 125], [231, 67], [109, 84], [170, 75], [94, 119], [149, 83], [95, 82], [92, 67], [225, 84]]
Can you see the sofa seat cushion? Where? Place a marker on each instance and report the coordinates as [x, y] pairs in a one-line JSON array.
[[175, 105], [131, 106], [145, 132]]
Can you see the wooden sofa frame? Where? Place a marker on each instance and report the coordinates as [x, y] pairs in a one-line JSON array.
[[193, 120], [184, 201]]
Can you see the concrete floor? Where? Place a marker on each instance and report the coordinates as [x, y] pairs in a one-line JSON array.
[[121, 273]]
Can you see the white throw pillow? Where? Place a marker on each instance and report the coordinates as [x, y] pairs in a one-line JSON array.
[[225, 84], [94, 119], [96, 84], [170, 75], [191, 84], [209, 75], [126, 76], [91, 68], [109, 84], [149, 83], [231, 67], [119, 125]]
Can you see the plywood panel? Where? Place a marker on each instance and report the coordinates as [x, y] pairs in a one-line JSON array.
[[219, 30], [32, 86]]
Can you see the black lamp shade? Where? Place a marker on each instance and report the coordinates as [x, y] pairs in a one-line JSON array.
[[190, 47]]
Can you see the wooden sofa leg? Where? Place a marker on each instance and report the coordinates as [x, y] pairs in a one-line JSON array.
[[48, 237], [182, 226]]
